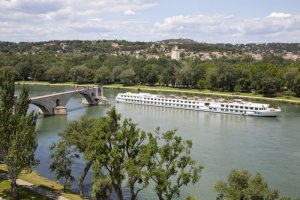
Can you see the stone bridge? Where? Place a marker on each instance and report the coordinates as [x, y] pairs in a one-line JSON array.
[[55, 104]]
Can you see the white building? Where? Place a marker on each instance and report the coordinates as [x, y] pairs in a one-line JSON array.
[[175, 54]]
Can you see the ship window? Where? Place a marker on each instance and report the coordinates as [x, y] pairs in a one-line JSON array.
[[236, 111], [256, 108], [231, 110], [193, 102], [215, 109], [210, 108], [173, 100], [222, 109], [231, 106], [241, 111], [226, 109], [251, 108], [236, 107], [197, 106], [222, 105], [226, 106], [246, 107], [241, 107]]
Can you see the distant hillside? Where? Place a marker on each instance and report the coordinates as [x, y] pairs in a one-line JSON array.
[[178, 41], [110, 46]]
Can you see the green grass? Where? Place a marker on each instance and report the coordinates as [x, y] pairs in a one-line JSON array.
[[5, 192], [40, 181]]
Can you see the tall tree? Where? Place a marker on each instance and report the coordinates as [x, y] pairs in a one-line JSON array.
[[17, 132], [62, 160], [75, 136], [172, 166], [116, 148]]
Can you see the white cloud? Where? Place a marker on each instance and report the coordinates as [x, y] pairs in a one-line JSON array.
[[25, 20], [129, 12], [36, 20], [224, 28], [279, 14]]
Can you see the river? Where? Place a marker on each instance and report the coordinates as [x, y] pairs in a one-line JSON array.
[[221, 142]]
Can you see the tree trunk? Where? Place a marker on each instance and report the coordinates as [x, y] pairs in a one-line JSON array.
[[160, 196], [82, 177], [118, 191], [133, 196], [15, 189], [120, 194]]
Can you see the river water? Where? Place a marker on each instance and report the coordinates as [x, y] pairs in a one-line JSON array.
[[221, 142]]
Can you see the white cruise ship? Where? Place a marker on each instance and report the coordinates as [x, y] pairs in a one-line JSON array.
[[236, 106]]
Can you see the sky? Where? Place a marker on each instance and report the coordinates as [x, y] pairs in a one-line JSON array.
[[210, 21]]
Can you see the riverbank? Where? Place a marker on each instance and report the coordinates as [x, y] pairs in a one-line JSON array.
[[38, 184], [205, 92]]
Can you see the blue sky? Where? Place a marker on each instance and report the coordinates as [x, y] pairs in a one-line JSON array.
[[211, 21]]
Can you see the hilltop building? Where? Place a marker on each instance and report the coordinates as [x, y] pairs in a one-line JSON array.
[[175, 54]]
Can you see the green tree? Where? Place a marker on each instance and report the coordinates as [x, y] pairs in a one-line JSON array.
[[212, 78], [127, 76], [101, 187], [62, 160], [17, 131], [172, 166], [9, 71], [184, 76], [227, 79], [81, 74], [296, 85], [151, 74], [76, 135], [56, 74], [116, 148], [242, 185], [103, 75]]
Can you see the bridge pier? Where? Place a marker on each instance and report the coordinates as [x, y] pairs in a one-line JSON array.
[[60, 110]]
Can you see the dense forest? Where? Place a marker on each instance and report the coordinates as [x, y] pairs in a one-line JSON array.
[[94, 62]]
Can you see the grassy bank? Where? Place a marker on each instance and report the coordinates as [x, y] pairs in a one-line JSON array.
[[5, 192], [283, 98], [40, 181]]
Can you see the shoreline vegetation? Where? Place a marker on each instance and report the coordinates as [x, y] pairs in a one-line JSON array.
[[249, 96], [42, 182]]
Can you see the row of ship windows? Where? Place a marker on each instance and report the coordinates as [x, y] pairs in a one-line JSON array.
[[164, 104], [185, 106], [166, 100], [242, 107], [227, 110]]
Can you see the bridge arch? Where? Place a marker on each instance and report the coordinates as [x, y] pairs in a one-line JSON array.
[[43, 108], [85, 95]]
